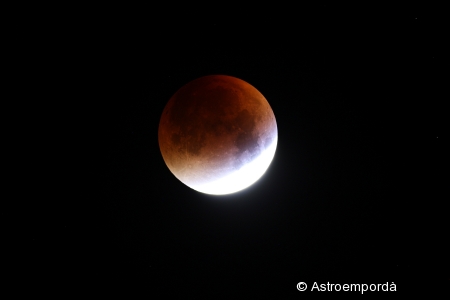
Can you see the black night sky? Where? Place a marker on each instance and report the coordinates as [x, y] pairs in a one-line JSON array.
[[353, 195]]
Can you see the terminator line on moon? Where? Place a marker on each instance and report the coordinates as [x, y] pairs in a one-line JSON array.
[[218, 134]]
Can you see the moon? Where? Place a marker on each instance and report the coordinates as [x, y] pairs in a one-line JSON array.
[[218, 134]]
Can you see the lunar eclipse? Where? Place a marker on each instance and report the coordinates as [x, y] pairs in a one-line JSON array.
[[218, 134]]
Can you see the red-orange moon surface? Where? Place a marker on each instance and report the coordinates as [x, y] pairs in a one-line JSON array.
[[218, 134]]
